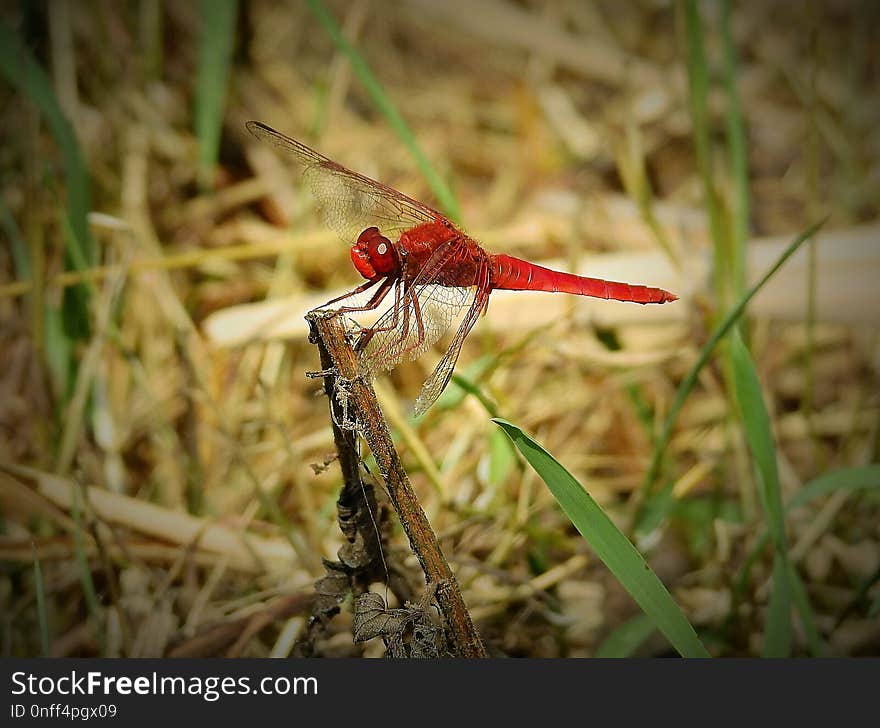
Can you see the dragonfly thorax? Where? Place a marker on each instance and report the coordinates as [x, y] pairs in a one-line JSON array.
[[373, 255]]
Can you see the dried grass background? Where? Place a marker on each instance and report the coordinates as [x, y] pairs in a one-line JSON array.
[[204, 453]]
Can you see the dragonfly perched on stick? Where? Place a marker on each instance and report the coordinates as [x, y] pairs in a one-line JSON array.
[[438, 277]]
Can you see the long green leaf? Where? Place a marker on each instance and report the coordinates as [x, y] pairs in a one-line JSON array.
[[865, 477], [698, 83], [386, 107], [690, 379], [739, 163], [610, 545], [777, 633], [22, 71], [759, 434], [215, 54]]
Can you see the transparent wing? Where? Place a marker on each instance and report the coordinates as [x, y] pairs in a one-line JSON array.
[[421, 315], [408, 330], [425, 311], [348, 202], [439, 378]]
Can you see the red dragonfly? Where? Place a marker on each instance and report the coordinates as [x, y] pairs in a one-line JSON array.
[[439, 277]]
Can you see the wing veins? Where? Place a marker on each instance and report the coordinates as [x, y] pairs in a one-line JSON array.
[[433, 386], [320, 172], [377, 359]]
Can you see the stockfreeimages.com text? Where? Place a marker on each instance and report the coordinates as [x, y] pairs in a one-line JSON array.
[[210, 688]]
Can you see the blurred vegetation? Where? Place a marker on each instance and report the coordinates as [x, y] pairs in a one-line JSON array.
[[167, 482]]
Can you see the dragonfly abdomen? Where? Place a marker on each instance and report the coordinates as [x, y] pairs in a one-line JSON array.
[[514, 274]]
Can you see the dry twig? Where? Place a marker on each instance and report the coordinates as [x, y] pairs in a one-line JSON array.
[[339, 362]]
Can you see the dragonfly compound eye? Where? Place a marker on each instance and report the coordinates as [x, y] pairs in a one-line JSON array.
[[378, 250], [373, 254]]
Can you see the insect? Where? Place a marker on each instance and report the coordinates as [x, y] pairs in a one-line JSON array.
[[439, 278]]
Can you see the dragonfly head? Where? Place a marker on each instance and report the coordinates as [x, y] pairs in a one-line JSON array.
[[373, 255]]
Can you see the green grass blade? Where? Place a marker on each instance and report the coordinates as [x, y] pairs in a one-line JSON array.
[[642, 409], [787, 586], [866, 477], [58, 351], [690, 379], [479, 370], [759, 435], [75, 299], [216, 42], [21, 259], [467, 386], [627, 638], [82, 562], [655, 508], [698, 84], [610, 545], [805, 612], [41, 606], [777, 633], [440, 189], [22, 71], [739, 163], [502, 458]]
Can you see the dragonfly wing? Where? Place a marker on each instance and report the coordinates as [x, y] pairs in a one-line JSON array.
[[348, 202], [424, 311], [439, 378]]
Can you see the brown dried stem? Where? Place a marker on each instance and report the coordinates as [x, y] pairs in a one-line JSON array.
[[360, 560], [339, 362]]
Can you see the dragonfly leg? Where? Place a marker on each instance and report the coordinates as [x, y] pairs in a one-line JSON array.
[[374, 302], [404, 330], [369, 333], [348, 294], [360, 289], [420, 325]]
